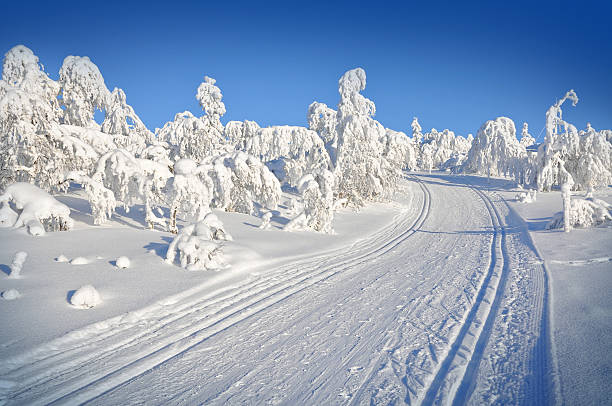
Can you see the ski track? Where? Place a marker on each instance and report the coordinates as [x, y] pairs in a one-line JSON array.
[[434, 308]]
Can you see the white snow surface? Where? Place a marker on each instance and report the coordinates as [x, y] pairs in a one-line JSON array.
[[450, 293]]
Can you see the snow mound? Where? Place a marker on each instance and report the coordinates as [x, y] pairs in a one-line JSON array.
[[40, 211], [79, 261], [17, 264], [61, 258], [11, 294], [583, 213], [197, 245], [85, 297], [123, 262]]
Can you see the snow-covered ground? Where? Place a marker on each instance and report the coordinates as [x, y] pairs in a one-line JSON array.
[[439, 296]]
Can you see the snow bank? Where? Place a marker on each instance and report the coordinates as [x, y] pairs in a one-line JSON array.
[[583, 213], [17, 264], [40, 211], [85, 297]]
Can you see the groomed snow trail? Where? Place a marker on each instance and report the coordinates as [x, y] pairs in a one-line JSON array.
[[446, 305]]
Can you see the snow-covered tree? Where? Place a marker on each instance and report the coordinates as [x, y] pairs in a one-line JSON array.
[[83, 91], [301, 150], [417, 134], [318, 202], [323, 120], [101, 199], [526, 138], [496, 151], [198, 137], [121, 120], [240, 181], [400, 150], [238, 133], [585, 158], [362, 173], [188, 196]]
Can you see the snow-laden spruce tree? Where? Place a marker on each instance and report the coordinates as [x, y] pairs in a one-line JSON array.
[[83, 91], [240, 182], [323, 120], [198, 137], [318, 203], [301, 150], [122, 121], [584, 157], [28, 107], [417, 134], [496, 151], [526, 138], [443, 146], [361, 171]]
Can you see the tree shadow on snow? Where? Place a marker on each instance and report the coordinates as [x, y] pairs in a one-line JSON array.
[[160, 249], [5, 268]]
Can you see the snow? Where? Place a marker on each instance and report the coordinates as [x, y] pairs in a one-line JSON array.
[[85, 297], [123, 262], [79, 261], [17, 264], [326, 273], [11, 294]]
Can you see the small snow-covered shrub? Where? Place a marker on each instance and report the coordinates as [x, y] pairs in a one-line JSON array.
[[40, 211], [318, 202], [583, 213], [197, 245], [11, 294], [265, 220], [17, 264], [123, 262], [527, 197], [85, 297]]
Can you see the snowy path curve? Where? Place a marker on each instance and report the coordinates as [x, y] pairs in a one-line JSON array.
[[410, 314]]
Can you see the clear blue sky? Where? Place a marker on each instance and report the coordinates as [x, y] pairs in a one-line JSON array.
[[453, 65]]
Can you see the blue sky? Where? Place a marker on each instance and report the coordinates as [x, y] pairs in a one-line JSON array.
[[454, 65]]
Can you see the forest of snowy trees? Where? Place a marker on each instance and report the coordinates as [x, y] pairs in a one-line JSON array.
[[49, 138]]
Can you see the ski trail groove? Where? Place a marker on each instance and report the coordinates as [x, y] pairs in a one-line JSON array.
[[451, 382], [92, 367]]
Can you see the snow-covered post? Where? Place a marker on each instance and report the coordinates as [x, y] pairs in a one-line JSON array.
[[567, 204]]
